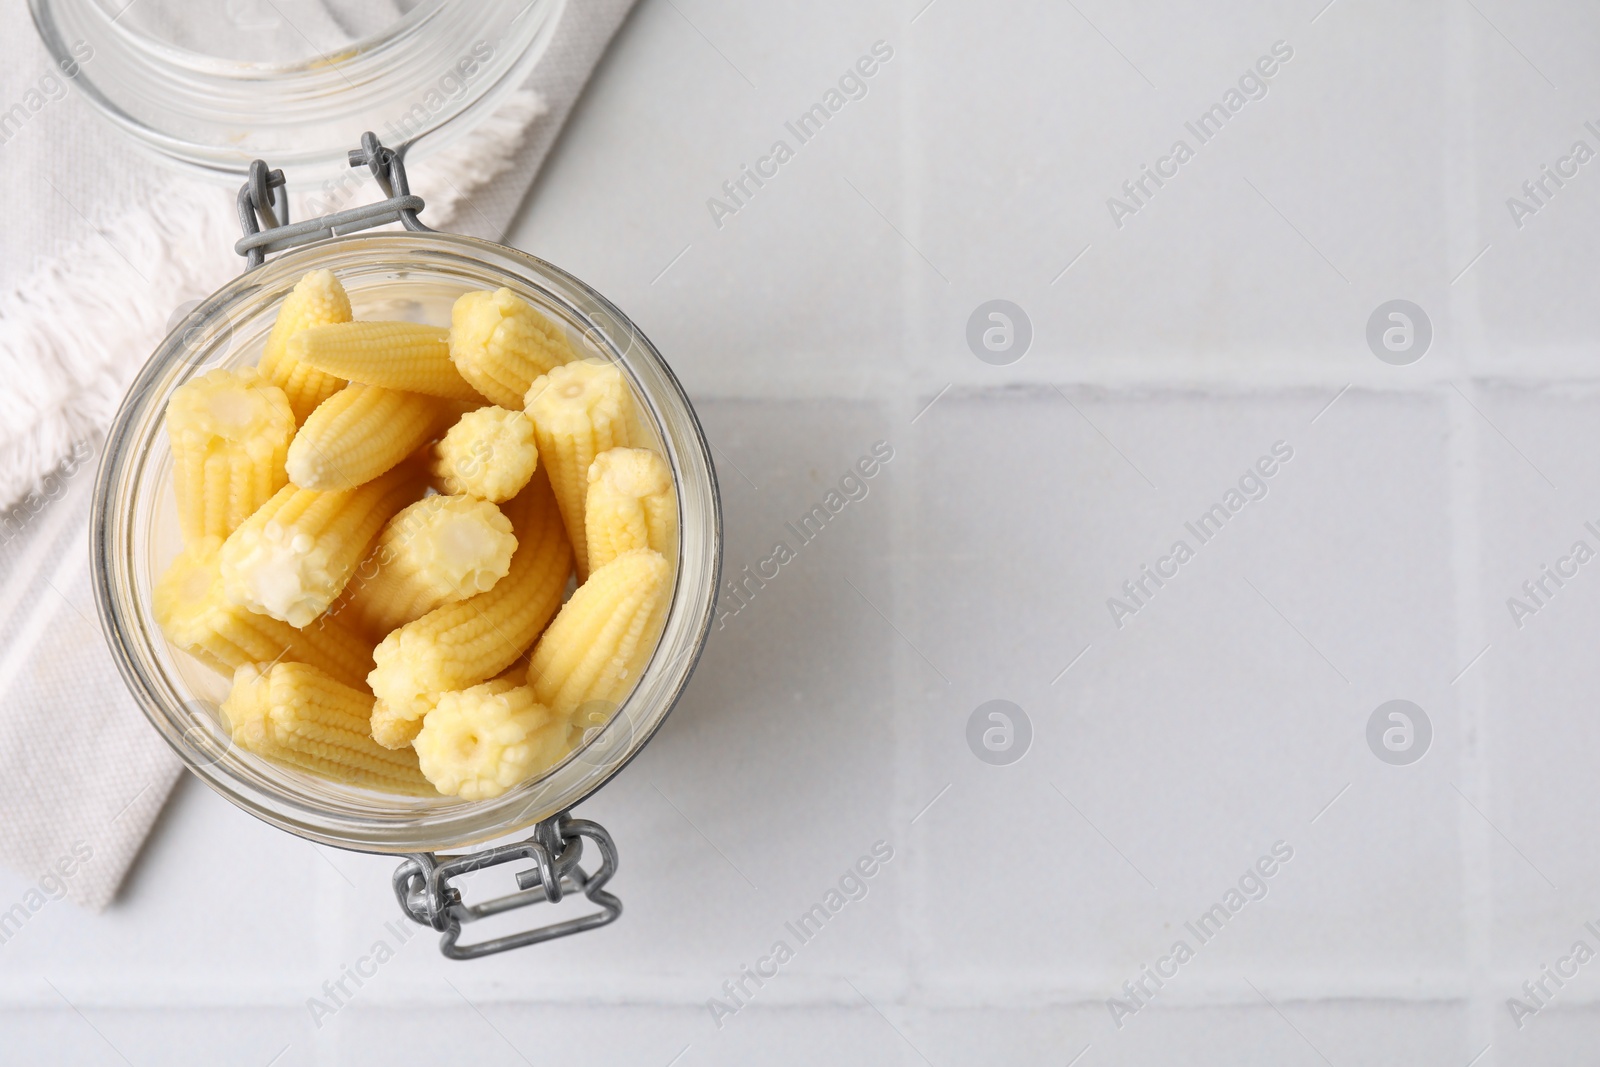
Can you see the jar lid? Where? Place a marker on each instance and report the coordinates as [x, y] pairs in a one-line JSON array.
[[214, 86]]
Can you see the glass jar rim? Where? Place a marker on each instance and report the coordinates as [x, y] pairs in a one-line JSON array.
[[127, 623], [213, 115]]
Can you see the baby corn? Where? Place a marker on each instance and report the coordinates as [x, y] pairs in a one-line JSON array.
[[317, 300], [297, 715], [293, 556], [230, 432], [501, 344], [439, 550], [396, 355], [604, 636], [488, 453], [477, 743], [360, 432], [197, 618], [579, 410], [397, 725], [461, 644], [630, 505]]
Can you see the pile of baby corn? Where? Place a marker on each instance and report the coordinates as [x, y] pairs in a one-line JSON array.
[[380, 524]]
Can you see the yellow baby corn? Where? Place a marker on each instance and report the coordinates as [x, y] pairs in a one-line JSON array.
[[292, 557], [317, 300], [230, 432], [396, 355], [360, 432], [297, 715], [630, 505], [396, 726], [579, 410], [196, 617], [604, 635], [501, 344], [477, 743], [489, 454], [459, 645], [438, 550]]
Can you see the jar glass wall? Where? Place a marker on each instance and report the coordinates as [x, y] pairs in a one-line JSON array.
[[413, 276], [213, 86]]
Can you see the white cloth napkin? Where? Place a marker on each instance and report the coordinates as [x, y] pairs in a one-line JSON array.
[[99, 248]]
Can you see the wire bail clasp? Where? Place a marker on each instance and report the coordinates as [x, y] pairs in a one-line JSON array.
[[422, 885], [264, 205]]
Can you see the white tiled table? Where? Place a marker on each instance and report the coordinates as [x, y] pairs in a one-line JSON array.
[[1227, 715]]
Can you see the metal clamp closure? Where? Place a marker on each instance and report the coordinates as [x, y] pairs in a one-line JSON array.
[[422, 885], [264, 206]]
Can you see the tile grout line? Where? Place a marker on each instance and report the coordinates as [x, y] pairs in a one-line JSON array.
[[922, 386], [1472, 717], [1440, 986], [1466, 557]]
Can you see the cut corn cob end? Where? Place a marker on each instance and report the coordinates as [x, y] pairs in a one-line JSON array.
[[246, 708], [571, 397], [604, 635], [579, 410], [407, 356], [291, 559], [236, 405], [192, 611], [630, 504], [278, 570], [439, 550], [458, 645], [359, 433], [489, 453], [501, 344], [479, 742], [397, 725], [296, 715], [316, 300], [187, 595], [456, 546], [230, 432]]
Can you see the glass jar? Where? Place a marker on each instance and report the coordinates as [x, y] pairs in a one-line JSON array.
[[215, 85], [391, 275]]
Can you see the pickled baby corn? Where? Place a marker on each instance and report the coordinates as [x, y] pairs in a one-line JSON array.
[[579, 410], [477, 743], [360, 432], [461, 644], [317, 300], [488, 453], [397, 725], [501, 344], [603, 636], [293, 556], [396, 355], [439, 550], [630, 504], [297, 715], [196, 617], [230, 432], [303, 546]]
